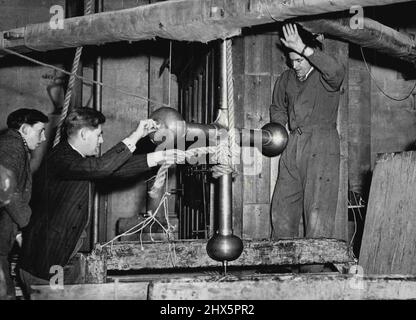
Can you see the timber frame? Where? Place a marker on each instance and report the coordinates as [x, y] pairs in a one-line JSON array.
[[191, 255], [206, 20]]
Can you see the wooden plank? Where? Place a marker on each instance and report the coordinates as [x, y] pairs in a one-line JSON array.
[[105, 291], [236, 287], [188, 20], [238, 181], [257, 97], [257, 54], [359, 126], [372, 35], [285, 287], [389, 240], [192, 254], [256, 221], [393, 123], [340, 51]]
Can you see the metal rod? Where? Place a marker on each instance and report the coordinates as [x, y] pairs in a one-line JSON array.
[[225, 181], [211, 209], [98, 71], [215, 132]]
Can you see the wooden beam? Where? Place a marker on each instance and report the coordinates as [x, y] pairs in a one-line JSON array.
[[192, 254], [247, 287], [105, 291], [188, 20], [373, 35], [389, 240], [286, 287]]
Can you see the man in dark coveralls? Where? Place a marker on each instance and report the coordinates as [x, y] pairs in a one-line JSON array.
[[306, 98]]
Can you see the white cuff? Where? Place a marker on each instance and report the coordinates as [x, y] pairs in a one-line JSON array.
[[153, 159], [129, 144]]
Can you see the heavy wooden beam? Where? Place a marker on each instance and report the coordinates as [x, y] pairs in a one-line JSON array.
[[190, 20], [373, 35], [231, 287], [286, 287], [192, 254]]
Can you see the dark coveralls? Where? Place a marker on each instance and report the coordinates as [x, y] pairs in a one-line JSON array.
[[309, 166]]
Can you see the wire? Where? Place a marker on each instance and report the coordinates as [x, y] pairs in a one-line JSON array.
[[170, 71], [82, 78], [378, 87]]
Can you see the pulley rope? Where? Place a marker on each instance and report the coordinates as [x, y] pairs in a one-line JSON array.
[[230, 100], [163, 170], [71, 83]]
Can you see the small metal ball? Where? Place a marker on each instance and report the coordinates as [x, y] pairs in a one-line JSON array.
[[224, 248], [172, 125]]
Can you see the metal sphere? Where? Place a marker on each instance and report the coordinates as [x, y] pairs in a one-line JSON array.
[[172, 125], [278, 141], [224, 248]]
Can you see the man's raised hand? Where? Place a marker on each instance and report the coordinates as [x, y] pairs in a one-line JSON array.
[[145, 127], [291, 39]]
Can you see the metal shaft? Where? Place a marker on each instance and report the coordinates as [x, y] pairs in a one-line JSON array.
[[225, 181]]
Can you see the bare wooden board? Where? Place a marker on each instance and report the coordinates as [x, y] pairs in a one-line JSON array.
[[105, 291], [259, 287], [187, 20], [192, 254], [286, 287], [389, 239]]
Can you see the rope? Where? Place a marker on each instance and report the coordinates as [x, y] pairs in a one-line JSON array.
[[71, 83], [162, 173], [228, 150], [230, 98]]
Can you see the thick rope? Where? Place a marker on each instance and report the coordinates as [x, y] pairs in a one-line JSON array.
[[230, 146], [230, 98], [71, 83], [163, 170]]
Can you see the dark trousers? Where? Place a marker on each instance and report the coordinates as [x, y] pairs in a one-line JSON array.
[[307, 185], [8, 232], [7, 289]]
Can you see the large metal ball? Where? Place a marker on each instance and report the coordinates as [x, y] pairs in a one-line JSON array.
[[172, 125], [224, 248], [7, 185], [278, 139]]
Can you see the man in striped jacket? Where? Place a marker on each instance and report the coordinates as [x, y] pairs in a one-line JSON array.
[[61, 189]]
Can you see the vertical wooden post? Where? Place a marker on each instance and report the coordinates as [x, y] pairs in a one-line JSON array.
[[340, 51]]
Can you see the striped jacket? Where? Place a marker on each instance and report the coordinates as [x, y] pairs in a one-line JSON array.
[[60, 202]]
